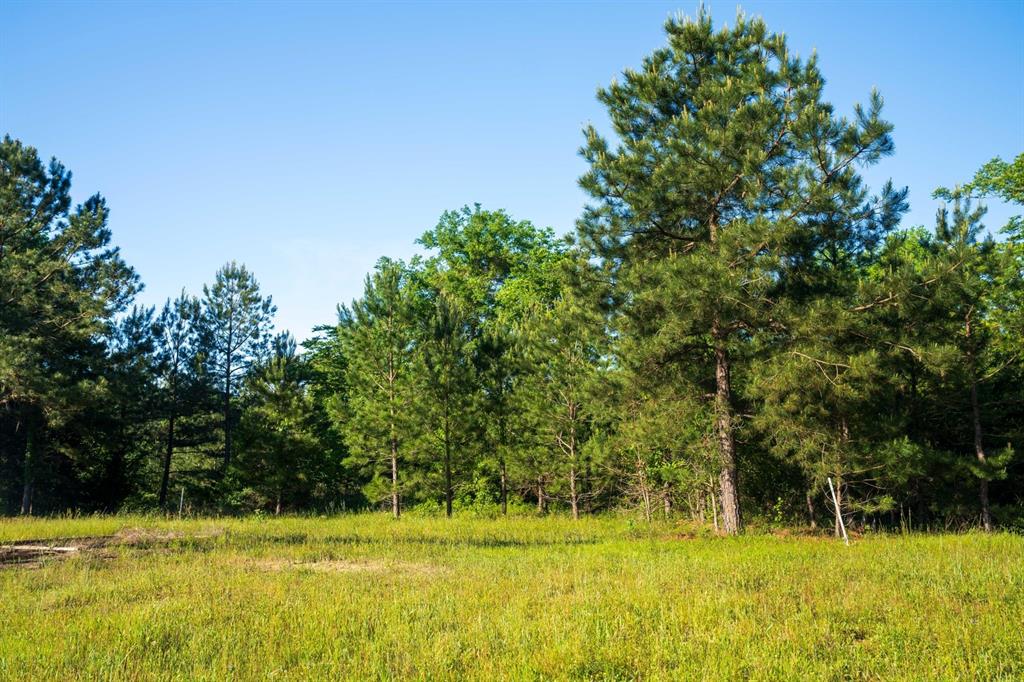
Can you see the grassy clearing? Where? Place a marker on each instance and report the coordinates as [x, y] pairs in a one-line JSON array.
[[362, 597]]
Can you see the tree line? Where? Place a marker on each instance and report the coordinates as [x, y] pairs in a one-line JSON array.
[[736, 320]]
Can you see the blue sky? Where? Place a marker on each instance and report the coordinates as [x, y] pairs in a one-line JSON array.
[[307, 140]]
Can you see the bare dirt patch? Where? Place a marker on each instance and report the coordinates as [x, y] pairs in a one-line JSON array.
[[32, 553]]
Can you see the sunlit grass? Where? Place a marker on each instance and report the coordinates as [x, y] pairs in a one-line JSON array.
[[359, 597]]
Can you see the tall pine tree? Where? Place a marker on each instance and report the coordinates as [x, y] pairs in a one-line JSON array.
[[235, 324], [728, 162], [61, 283], [378, 336], [177, 350]]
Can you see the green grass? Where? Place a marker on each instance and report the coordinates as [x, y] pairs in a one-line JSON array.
[[364, 597]]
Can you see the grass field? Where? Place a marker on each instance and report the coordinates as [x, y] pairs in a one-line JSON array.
[[365, 597]]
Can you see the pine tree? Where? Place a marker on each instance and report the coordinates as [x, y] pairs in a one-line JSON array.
[[378, 336], [729, 167], [564, 341], [235, 324], [122, 422], [822, 406], [447, 388], [61, 283], [278, 446], [177, 358], [660, 438], [960, 289]]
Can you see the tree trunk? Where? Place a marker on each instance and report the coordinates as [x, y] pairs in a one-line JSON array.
[[540, 496], [227, 418], [979, 450], [645, 495], [837, 523], [714, 510], [504, 486], [501, 462], [727, 479], [277, 508], [227, 392], [447, 466], [666, 501], [810, 510], [573, 497], [165, 478], [29, 467], [395, 509], [726, 443]]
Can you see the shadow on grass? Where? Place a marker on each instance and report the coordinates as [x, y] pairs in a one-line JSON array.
[[485, 542]]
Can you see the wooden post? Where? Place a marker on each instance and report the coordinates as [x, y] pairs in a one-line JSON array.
[[839, 512]]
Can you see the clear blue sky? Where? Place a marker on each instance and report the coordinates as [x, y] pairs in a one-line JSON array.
[[306, 140]]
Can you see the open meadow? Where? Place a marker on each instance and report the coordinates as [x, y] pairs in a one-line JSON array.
[[367, 597]]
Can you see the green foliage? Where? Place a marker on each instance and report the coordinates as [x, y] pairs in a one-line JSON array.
[[376, 338], [496, 270], [997, 178], [564, 345], [234, 328], [283, 462], [447, 398], [60, 286], [184, 388]]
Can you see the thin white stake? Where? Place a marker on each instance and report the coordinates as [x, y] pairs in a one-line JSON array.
[[181, 502], [839, 512]]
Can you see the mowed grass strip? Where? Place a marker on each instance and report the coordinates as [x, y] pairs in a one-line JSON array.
[[365, 597]]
